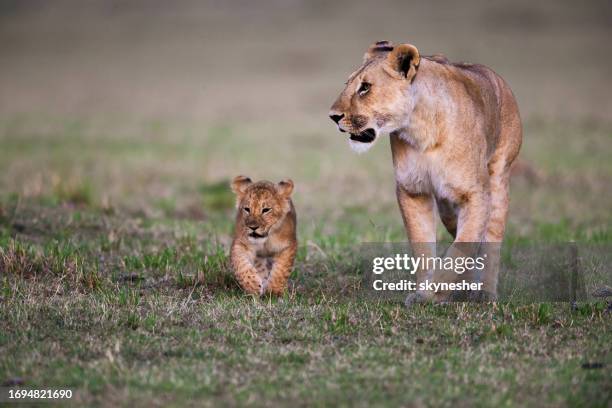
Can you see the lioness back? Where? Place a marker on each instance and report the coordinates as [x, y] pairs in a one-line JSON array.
[[490, 95]]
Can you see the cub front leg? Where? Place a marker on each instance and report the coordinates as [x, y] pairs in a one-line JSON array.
[[418, 215], [245, 271], [281, 269]]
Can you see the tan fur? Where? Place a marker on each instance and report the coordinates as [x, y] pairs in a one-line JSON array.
[[455, 131], [263, 264]]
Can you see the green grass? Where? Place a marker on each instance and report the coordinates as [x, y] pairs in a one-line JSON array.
[[114, 277], [316, 345]]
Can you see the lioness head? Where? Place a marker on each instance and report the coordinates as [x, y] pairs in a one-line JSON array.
[[261, 206], [375, 95]]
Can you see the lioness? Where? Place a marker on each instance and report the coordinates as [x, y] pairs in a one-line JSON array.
[[455, 130], [265, 243]]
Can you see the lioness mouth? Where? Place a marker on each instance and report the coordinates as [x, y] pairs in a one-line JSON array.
[[256, 235], [367, 136]]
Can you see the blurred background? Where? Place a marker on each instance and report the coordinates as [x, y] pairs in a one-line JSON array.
[[148, 108]]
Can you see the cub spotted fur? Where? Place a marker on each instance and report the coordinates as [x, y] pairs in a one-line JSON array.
[[265, 242], [455, 130]]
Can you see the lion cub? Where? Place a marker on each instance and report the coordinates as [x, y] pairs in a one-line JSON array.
[[265, 243]]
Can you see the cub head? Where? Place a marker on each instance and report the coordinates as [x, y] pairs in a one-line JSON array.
[[261, 206], [375, 96]]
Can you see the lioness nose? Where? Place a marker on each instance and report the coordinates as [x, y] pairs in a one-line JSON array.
[[336, 117], [253, 227]]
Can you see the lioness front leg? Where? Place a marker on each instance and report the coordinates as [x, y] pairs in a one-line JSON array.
[[281, 269], [245, 271], [473, 217], [418, 215]]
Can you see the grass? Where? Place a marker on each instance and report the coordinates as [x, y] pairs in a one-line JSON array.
[[115, 282], [175, 343]]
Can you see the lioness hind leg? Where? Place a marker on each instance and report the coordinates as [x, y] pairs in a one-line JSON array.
[[508, 147], [495, 231]]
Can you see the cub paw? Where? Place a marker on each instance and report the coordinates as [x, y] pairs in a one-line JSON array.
[[253, 287]]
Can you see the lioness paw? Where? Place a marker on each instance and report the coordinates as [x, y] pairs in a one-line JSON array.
[[482, 296], [415, 298]]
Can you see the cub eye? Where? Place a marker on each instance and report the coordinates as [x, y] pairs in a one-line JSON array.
[[265, 210], [247, 210], [364, 88]]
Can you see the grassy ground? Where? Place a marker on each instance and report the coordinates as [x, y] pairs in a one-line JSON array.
[[116, 215], [116, 283]]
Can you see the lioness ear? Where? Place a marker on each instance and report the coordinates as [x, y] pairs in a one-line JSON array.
[[240, 183], [285, 188], [404, 61], [378, 46]]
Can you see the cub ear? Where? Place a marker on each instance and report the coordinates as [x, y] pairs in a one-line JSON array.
[[240, 183], [285, 188], [378, 46], [403, 61]]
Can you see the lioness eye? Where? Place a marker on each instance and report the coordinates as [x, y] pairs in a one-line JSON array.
[[247, 209], [265, 210], [364, 88]]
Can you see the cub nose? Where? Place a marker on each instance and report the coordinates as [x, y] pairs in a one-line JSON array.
[[253, 227], [336, 117]]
